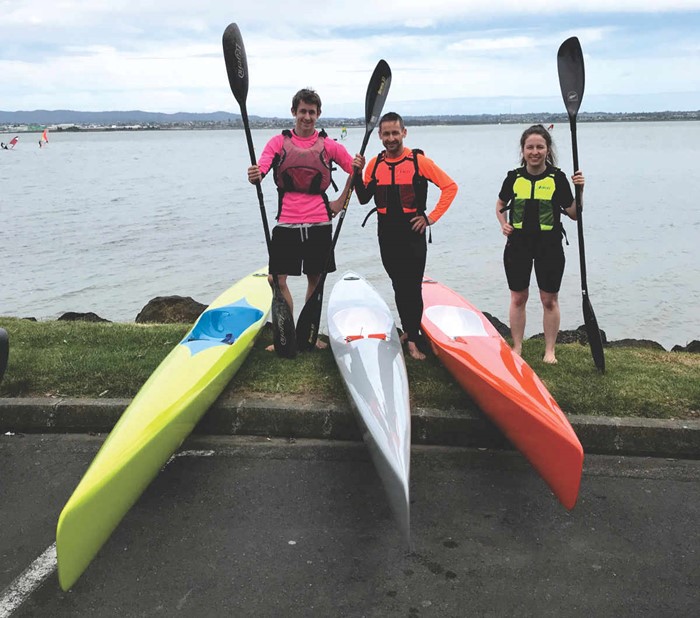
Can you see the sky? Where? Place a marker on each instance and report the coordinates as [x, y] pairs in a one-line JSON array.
[[446, 56]]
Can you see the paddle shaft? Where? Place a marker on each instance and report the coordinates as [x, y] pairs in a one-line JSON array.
[[258, 188], [579, 208]]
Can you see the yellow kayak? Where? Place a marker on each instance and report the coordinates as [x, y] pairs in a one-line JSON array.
[[159, 418]]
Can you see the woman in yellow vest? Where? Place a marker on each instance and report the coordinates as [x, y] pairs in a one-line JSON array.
[[529, 208]]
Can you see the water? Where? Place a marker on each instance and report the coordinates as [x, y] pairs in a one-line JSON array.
[[104, 222]]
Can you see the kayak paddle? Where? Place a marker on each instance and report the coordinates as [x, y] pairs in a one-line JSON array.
[[4, 352], [571, 81], [284, 335], [310, 316]]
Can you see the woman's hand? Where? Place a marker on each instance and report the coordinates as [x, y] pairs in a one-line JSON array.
[[578, 179]]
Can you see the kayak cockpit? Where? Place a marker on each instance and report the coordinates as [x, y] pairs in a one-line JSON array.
[[456, 322], [356, 323], [221, 326]]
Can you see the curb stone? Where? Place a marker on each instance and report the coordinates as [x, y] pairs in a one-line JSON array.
[[277, 418]]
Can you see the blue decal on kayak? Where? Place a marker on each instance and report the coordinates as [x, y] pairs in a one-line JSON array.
[[221, 326]]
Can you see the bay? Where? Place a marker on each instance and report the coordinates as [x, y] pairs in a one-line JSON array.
[[105, 221]]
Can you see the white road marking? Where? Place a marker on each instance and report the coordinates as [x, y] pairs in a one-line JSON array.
[[34, 575]]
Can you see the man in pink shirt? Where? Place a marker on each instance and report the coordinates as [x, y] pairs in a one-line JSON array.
[[301, 162]]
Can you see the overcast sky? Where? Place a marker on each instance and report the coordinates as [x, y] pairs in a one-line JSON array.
[[446, 56]]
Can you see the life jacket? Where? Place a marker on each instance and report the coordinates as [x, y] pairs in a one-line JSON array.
[[532, 208], [303, 170], [404, 199]]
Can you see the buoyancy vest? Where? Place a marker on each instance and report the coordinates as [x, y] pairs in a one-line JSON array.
[[303, 170], [532, 207], [399, 188]]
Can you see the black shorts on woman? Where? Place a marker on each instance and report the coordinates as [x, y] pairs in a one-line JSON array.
[[533, 244], [293, 248], [544, 251]]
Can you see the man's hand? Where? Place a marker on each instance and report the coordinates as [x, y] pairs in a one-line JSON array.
[[419, 223], [254, 175]]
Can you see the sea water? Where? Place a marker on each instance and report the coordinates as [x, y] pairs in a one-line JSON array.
[[105, 221]]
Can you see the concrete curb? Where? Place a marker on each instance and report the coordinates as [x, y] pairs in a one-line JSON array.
[[279, 418]]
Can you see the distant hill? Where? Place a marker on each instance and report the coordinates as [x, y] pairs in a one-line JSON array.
[[66, 116], [224, 120]]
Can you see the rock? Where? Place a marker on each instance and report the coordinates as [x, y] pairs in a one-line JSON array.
[[693, 347], [170, 310], [637, 343], [503, 329], [73, 316], [574, 336]]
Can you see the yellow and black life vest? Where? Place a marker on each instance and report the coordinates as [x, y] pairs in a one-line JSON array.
[[532, 207]]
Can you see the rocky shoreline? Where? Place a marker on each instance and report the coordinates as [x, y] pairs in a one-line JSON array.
[[185, 310]]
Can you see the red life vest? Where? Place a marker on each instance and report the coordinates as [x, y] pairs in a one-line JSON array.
[[399, 189], [303, 170]]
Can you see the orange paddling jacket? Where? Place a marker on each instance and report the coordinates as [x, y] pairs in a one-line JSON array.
[[400, 186]]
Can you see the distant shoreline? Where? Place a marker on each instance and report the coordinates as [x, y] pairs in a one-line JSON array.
[[71, 121]]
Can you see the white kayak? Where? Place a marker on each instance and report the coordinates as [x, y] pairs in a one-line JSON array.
[[366, 347]]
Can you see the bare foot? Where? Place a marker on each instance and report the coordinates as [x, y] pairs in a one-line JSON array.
[[403, 337], [518, 350], [321, 345], [414, 352], [550, 359]]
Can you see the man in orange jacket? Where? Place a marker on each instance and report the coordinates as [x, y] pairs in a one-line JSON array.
[[398, 178]]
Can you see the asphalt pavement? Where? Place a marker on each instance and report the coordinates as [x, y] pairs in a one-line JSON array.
[[258, 526]]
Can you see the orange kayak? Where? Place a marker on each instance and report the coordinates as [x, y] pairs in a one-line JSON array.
[[505, 387]]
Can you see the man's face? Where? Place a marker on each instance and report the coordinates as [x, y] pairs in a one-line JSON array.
[[305, 115], [392, 136]]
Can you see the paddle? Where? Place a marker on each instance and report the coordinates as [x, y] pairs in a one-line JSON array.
[[284, 335], [571, 81], [4, 352], [310, 316]]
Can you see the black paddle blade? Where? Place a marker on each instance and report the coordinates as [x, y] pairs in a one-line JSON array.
[[310, 319], [236, 63], [595, 339], [377, 92], [283, 333], [4, 351], [572, 76]]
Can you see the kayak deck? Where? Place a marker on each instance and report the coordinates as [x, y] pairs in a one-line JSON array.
[[505, 388], [367, 350], [160, 417]]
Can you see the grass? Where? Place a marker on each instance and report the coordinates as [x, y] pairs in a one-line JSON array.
[[82, 359]]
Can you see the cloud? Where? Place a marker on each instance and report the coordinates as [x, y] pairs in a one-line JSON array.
[[166, 55]]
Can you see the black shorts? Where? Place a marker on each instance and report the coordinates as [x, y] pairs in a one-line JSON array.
[[546, 253], [292, 247]]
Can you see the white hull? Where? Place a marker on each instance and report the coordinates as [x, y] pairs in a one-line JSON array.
[[366, 347]]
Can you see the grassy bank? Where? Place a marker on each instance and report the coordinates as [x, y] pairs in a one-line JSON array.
[[81, 359]]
